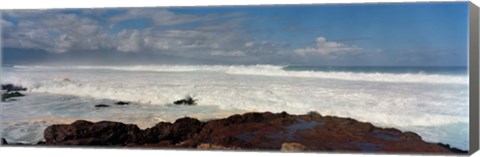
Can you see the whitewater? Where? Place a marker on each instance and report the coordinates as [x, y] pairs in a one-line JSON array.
[[433, 105]]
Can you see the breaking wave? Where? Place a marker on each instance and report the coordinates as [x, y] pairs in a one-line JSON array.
[[278, 71]]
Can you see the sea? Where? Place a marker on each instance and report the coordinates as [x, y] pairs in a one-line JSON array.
[[430, 101]]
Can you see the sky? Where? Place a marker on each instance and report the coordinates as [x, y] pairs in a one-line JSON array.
[[388, 34]]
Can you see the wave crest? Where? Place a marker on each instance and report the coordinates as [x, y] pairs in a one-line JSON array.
[[278, 71]]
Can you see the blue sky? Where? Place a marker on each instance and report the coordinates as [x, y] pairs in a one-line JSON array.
[[394, 34]]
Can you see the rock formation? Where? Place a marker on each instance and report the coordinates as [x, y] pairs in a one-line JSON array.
[[251, 131]]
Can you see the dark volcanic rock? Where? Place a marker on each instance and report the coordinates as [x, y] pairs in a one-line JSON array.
[[4, 142], [121, 103], [11, 91], [186, 101], [266, 131], [453, 149], [41, 143], [181, 130], [87, 133], [157, 133], [11, 87], [8, 95], [185, 128], [101, 105]]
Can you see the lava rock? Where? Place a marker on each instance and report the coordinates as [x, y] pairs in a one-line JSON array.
[[41, 143], [8, 95], [87, 133], [185, 128], [101, 105], [186, 101], [157, 133], [453, 149], [4, 142], [257, 131], [121, 103], [11, 87]]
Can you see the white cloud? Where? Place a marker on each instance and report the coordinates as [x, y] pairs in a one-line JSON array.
[[236, 53], [163, 17], [60, 32], [158, 17], [55, 32], [5, 24], [223, 25], [324, 47], [249, 44], [129, 41], [187, 40]]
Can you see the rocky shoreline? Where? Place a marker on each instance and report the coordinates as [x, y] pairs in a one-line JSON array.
[[267, 131]]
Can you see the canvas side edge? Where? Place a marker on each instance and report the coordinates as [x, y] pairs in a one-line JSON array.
[[474, 78]]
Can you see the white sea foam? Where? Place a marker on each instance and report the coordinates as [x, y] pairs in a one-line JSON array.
[[278, 71], [419, 102]]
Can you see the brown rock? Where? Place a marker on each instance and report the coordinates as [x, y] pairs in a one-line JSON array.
[[185, 128], [87, 133], [264, 131], [208, 146], [157, 133], [292, 147]]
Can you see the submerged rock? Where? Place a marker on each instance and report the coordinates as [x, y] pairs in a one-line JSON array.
[[122, 103], [264, 131], [186, 101], [11, 91], [9, 95], [11, 87], [101, 105]]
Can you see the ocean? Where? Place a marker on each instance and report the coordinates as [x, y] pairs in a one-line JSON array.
[[431, 101]]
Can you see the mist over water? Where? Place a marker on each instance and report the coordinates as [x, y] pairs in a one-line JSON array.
[[433, 103]]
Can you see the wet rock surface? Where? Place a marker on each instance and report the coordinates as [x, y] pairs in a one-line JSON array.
[[186, 101], [453, 149], [101, 106], [122, 103], [11, 91], [103, 133], [250, 131], [7, 96], [11, 87]]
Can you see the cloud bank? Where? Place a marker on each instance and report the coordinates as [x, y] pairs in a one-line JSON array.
[[324, 47], [267, 35]]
